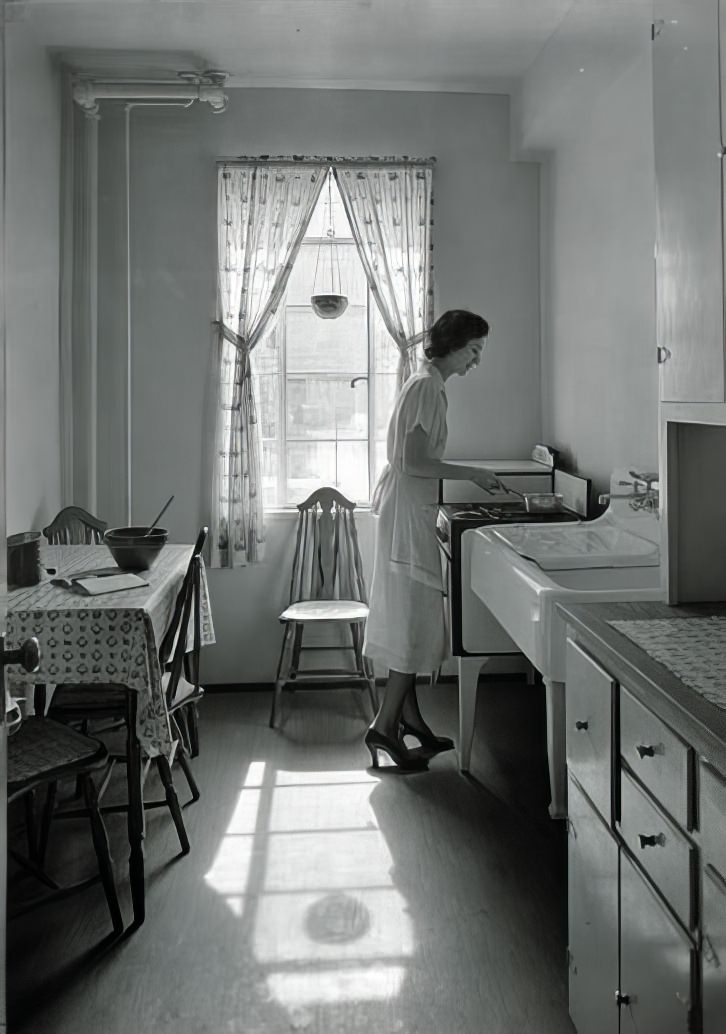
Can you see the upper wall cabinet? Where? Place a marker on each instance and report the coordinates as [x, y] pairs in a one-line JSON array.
[[688, 138]]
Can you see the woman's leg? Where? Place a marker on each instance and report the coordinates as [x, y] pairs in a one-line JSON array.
[[400, 684], [411, 712]]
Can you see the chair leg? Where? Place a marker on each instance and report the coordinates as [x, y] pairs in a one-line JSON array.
[[191, 714], [30, 830], [172, 800], [40, 699], [280, 677], [187, 770], [100, 843], [363, 666], [296, 648], [46, 820]]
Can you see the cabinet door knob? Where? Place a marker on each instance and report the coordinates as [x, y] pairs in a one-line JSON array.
[[651, 840], [581, 726], [663, 353], [645, 751]]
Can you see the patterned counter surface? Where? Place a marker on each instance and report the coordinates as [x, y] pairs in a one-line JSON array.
[[694, 649], [671, 658]]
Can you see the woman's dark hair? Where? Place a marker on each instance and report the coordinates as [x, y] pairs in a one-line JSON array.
[[453, 330]]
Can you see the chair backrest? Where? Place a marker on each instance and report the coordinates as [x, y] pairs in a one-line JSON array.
[[173, 650], [74, 526], [327, 563]]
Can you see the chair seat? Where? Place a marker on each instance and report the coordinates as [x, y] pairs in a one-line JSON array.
[[325, 610], [42, 747]]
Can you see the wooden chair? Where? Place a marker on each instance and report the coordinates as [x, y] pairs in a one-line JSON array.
[[327, 585], [39, 754], [74, 526], [180, 681]]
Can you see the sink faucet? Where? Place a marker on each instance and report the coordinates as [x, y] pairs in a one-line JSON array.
[[643, 496]]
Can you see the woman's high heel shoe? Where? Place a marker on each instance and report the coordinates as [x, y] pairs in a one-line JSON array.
[[430, 743], [397, 752]]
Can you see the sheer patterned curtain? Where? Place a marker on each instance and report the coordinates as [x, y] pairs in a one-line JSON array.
[[263, 211], [390, 210]]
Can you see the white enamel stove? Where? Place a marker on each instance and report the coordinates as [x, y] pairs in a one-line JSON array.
[[521, 572]]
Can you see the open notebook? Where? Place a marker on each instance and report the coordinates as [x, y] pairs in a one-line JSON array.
[[97, 583]]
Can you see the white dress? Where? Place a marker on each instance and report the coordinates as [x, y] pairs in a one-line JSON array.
[[406, 627]]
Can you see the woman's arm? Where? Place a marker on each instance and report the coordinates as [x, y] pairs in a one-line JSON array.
[[419, 463]]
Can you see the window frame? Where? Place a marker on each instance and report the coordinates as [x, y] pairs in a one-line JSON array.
[[281, 423]]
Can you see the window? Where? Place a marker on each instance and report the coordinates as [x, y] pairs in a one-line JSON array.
[[324, 388]]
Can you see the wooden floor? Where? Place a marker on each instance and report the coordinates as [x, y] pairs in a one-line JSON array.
[[319, 895]]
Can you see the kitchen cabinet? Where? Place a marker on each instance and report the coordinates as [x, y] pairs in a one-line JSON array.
[[688, 168], [646, 897], [592, 896], [657, 962], [713, 952]]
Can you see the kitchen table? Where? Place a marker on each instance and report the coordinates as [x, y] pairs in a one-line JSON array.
[[111, 640]]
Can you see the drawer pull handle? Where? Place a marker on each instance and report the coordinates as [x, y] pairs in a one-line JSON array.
[[581, 726], [651, 840], [645, 751]]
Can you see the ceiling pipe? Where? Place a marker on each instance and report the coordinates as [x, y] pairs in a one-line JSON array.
[[87, 93]]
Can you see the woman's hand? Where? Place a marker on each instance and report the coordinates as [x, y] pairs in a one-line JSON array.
[[487, 480]]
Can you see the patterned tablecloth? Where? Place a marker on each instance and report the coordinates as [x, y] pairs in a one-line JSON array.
[[111, 638], [694, 649]]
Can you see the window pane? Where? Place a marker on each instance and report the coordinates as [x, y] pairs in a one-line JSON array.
[[329, 346], [326, 408], [312, 270], [270, 469], [310, 465], [321, 216], [384, 395], [353, 470]]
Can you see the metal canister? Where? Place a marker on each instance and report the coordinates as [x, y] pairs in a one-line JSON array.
[[23, 559]]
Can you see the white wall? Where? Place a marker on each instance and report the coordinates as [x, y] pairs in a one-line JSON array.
[[32, 257], [586, 105], [486, 259]]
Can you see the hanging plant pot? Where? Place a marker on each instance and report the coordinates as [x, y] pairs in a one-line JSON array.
[[329, 306]]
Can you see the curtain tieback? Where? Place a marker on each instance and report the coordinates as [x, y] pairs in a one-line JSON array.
[[406, 343], [229, 335]]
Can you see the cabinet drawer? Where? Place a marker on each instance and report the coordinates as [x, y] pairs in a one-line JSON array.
[[660, 759], [589, 708], [664, 852], [713, 952], [712, 817]]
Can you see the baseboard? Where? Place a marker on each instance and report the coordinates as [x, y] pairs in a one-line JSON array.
[[260, 687]]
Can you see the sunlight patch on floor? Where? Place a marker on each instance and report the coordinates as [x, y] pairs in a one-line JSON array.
[[359, 983], [304, 864]]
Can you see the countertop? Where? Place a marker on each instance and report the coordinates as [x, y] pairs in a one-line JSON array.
[[700, 722]]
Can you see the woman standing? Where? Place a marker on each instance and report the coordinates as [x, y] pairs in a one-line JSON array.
[[406, 628]]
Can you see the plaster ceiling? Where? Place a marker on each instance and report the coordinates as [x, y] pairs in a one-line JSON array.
[[464, 45]]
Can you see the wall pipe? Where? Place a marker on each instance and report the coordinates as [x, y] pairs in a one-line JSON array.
[[129, 347], [86, 94]]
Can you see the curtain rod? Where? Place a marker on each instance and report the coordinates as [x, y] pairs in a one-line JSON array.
[[266, 159]]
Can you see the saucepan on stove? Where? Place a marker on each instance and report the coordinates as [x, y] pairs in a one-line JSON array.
[[540, 502]]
